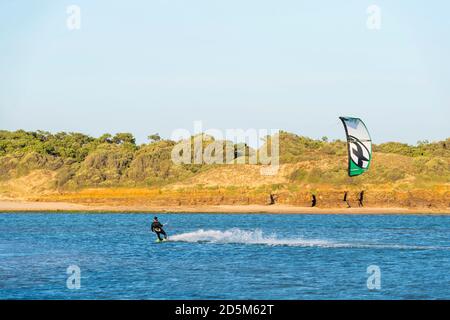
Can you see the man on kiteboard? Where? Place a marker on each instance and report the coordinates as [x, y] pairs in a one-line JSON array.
[[157, 228]]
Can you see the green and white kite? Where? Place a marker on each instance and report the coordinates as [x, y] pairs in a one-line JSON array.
[[359, 145]]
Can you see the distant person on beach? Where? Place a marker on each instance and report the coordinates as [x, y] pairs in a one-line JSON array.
[[273, 198], [361, 199], [313, 201], [346, 199], [157, 228]]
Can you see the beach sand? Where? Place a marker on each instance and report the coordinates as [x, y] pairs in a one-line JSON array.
[[31, 206]]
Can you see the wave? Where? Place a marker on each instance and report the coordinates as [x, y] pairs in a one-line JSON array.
[[257, 237]]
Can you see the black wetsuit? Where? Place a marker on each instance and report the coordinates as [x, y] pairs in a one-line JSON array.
[[157, 228]]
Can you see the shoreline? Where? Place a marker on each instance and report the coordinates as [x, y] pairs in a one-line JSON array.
[[17, 206]]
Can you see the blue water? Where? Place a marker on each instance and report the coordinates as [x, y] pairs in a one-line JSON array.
[[219, 256]]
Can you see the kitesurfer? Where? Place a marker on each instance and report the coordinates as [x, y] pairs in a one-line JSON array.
[[157, 228]]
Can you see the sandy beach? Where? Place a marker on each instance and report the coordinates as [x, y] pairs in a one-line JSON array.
[[30, 206]]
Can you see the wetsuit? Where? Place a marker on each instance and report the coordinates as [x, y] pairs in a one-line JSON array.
[[157, 228]]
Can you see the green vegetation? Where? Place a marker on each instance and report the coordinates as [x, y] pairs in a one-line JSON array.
[[78, 160], [423, 148]]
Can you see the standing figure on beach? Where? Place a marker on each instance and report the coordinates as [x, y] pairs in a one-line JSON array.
[[273, 198], [346, 199], [157, 227], [313, 200], [361, 199]]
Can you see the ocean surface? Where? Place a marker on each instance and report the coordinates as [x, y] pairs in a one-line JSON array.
[[220, 256]]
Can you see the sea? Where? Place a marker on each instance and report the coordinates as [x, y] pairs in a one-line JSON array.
[[224, 256]]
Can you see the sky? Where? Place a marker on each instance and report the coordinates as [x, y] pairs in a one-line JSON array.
[[159, 65]]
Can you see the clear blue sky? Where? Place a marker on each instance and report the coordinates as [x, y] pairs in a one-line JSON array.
[[157, 65]]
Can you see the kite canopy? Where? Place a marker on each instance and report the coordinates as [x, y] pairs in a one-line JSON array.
[[359, 145]]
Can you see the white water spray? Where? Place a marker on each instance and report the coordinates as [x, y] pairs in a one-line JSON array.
[[257, 237], [236, 235]]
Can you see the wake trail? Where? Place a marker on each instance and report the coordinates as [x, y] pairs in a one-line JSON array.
[[257, 237]]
